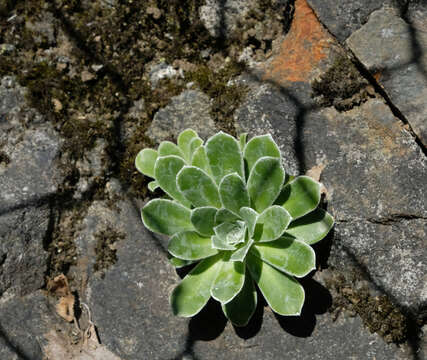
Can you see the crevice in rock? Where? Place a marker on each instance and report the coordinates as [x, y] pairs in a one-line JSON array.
[[394, 109], [409, 330]]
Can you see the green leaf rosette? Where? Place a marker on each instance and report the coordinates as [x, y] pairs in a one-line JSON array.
[[229, 209]]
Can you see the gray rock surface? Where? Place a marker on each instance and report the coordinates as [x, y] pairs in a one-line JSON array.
[[344, 17], [23, 322], [397, 51], [130, 308], [374, 172], [31, 148], [190, 109], [23, 260], [221, 16], [129, 300]]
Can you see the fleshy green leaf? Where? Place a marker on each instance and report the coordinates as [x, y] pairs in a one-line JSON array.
[[303, 196], [258, 147], [242, 141], [241, 252], [288, 255], [275, 220], [283, 293], [166, 170], [200, 160], [221, 244], [145, 160], [166, 217], [184, 142], [265, 182], [233, 193], [198, 187], [250, 216], [242, 307], [224, 156], [189, 245], [194, 145], [179, 263], [224, 215], [232, 233], [153, 185], [312, 227], [189, 297], [229, 281], [169, 148], [203, 220]]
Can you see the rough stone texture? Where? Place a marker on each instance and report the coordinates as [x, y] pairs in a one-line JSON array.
[[344, 17], [23, 322], [135, 321], [129, 300], [221, 17], [397, 52], [23, 261], [30, 173], [374, 172], [190, 109]]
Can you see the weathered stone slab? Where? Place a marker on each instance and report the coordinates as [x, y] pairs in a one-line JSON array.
[[190, 109], [23, 260], [396, 51], [29, 150], [129, 304], [129, 299], [374, 173], [344, 17]]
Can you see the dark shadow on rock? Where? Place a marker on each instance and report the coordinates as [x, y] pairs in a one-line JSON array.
[[254, 325], [317, 301], [209, 323], [323, 250], [12, 347]]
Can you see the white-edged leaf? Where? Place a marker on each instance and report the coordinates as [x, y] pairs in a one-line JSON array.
[[224, 156], [275, 221], [301, 196], [240, 310], [229, 281], [258, 147], [233, 193], [166, 170], [224, 215], [189, 245], [312, 227], [265, 182], [288, 255], [145, 160], [198, 187], [166, 217], [184, 143], [169, 148], [242, 251], [153, 185], [192, 294], [220, 243], [250, 217], [283, 293], [200, 160], [203, 220]]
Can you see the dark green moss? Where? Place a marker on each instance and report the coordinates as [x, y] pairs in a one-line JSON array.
[[4, 159], [105, 248], [341, 86], [378, 313]]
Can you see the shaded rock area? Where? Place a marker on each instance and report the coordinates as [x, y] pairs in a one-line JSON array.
[[85, 85]]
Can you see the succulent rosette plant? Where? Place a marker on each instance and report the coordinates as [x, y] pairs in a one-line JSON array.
[[231, 208]]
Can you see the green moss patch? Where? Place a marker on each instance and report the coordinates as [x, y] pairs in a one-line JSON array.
[[105, 248], [341, 86]]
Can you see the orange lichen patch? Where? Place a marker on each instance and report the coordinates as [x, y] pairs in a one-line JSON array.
[[377, 76], [303, 48]]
